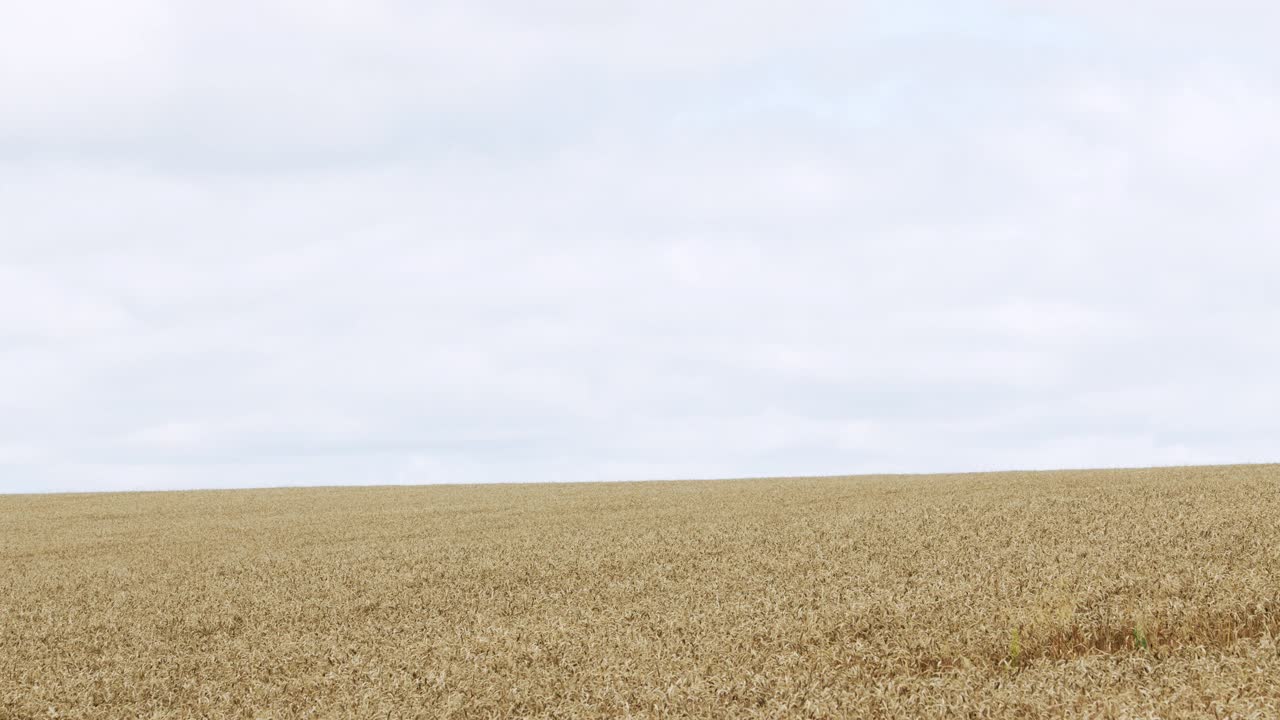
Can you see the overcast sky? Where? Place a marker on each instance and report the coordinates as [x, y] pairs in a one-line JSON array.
[[299, 242]]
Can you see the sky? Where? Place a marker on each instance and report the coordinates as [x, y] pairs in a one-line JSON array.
[[354, 242]]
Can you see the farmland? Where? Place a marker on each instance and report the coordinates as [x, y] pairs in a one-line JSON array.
[[1119, 593]]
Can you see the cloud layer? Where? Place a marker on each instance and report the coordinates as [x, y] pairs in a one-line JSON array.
[[300, 243]]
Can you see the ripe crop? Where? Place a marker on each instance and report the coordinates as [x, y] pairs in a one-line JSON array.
[[1126, 593]]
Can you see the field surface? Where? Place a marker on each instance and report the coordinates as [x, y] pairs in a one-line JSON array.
[[1134, 593]]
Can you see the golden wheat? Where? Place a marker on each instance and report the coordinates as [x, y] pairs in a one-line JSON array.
[[1142, 593]]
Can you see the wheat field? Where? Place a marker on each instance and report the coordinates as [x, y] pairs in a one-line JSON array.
[[1125, 594]]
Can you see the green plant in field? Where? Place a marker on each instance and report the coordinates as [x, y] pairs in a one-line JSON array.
[[1015, 648], [1140, 636]]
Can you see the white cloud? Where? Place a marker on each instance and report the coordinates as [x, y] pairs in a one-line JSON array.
[[302, 243]]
